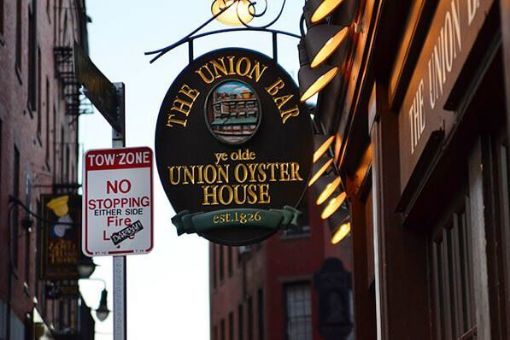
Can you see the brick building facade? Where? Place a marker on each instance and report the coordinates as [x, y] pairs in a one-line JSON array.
[[39, 108], [270, 291]]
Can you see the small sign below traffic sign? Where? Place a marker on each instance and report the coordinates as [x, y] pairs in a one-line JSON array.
[[118, 202]]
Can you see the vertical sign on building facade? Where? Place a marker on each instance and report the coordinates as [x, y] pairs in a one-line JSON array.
[[118, 202], [60, 239], [427, 113]]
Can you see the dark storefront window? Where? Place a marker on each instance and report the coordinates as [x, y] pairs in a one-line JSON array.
[[452, 256], [298, 311]]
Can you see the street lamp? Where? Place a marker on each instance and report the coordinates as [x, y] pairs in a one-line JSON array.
[[85, 266], [233, 12], [102, 310]]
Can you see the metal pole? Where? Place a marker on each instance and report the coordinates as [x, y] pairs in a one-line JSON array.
[[119, 262]]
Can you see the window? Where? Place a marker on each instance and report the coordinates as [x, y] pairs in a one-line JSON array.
[[213, 265], [240, 322], [54, 144], [62, 154], [298, 311], [1, 18], [27, 255], [222, 329], [250, 319], [260, 313], [47, 143], [231, 326], [453, 280], [32, 62], [18, 36], [230, 262], [61, 313], [222, 269], [39, 284], [15, 193], [1, 145], [48, 11], [68, 161]]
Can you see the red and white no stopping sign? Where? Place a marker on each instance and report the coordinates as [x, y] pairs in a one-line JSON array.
[[118, 202]]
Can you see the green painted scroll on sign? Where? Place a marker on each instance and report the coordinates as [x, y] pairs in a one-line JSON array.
[[273, 219]]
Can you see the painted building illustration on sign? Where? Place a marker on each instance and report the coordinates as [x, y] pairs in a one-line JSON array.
[[233, 113]]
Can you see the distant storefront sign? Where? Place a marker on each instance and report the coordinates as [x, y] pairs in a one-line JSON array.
[[118, 202], [60, 236], [233, 147]]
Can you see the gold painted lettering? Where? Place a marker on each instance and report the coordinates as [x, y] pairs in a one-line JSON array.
[[284, 172], [173, 178], [280, 101], [285, 115], [209, 194], [191, 93], [252, 194], [182, 106], [230, 195], [171, 120], [264, 194], [209, 78], [247, 68], [277, 86], [295, 176], [189, 175], [257, 71], [231, 65], [219, 67]]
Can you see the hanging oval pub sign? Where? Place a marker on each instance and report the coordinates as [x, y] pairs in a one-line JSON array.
[[233, 147]]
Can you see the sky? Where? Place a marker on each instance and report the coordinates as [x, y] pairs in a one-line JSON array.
[[168, 289]]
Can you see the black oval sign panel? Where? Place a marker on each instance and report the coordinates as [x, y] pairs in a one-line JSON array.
[[233, 147]]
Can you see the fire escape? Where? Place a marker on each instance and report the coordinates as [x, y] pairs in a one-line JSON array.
[[75, 102]]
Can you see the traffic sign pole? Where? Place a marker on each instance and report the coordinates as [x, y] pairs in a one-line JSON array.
[[109, 99], [119, 262]]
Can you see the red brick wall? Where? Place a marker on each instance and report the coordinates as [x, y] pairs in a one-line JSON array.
[[276, 262], [19, 128]]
